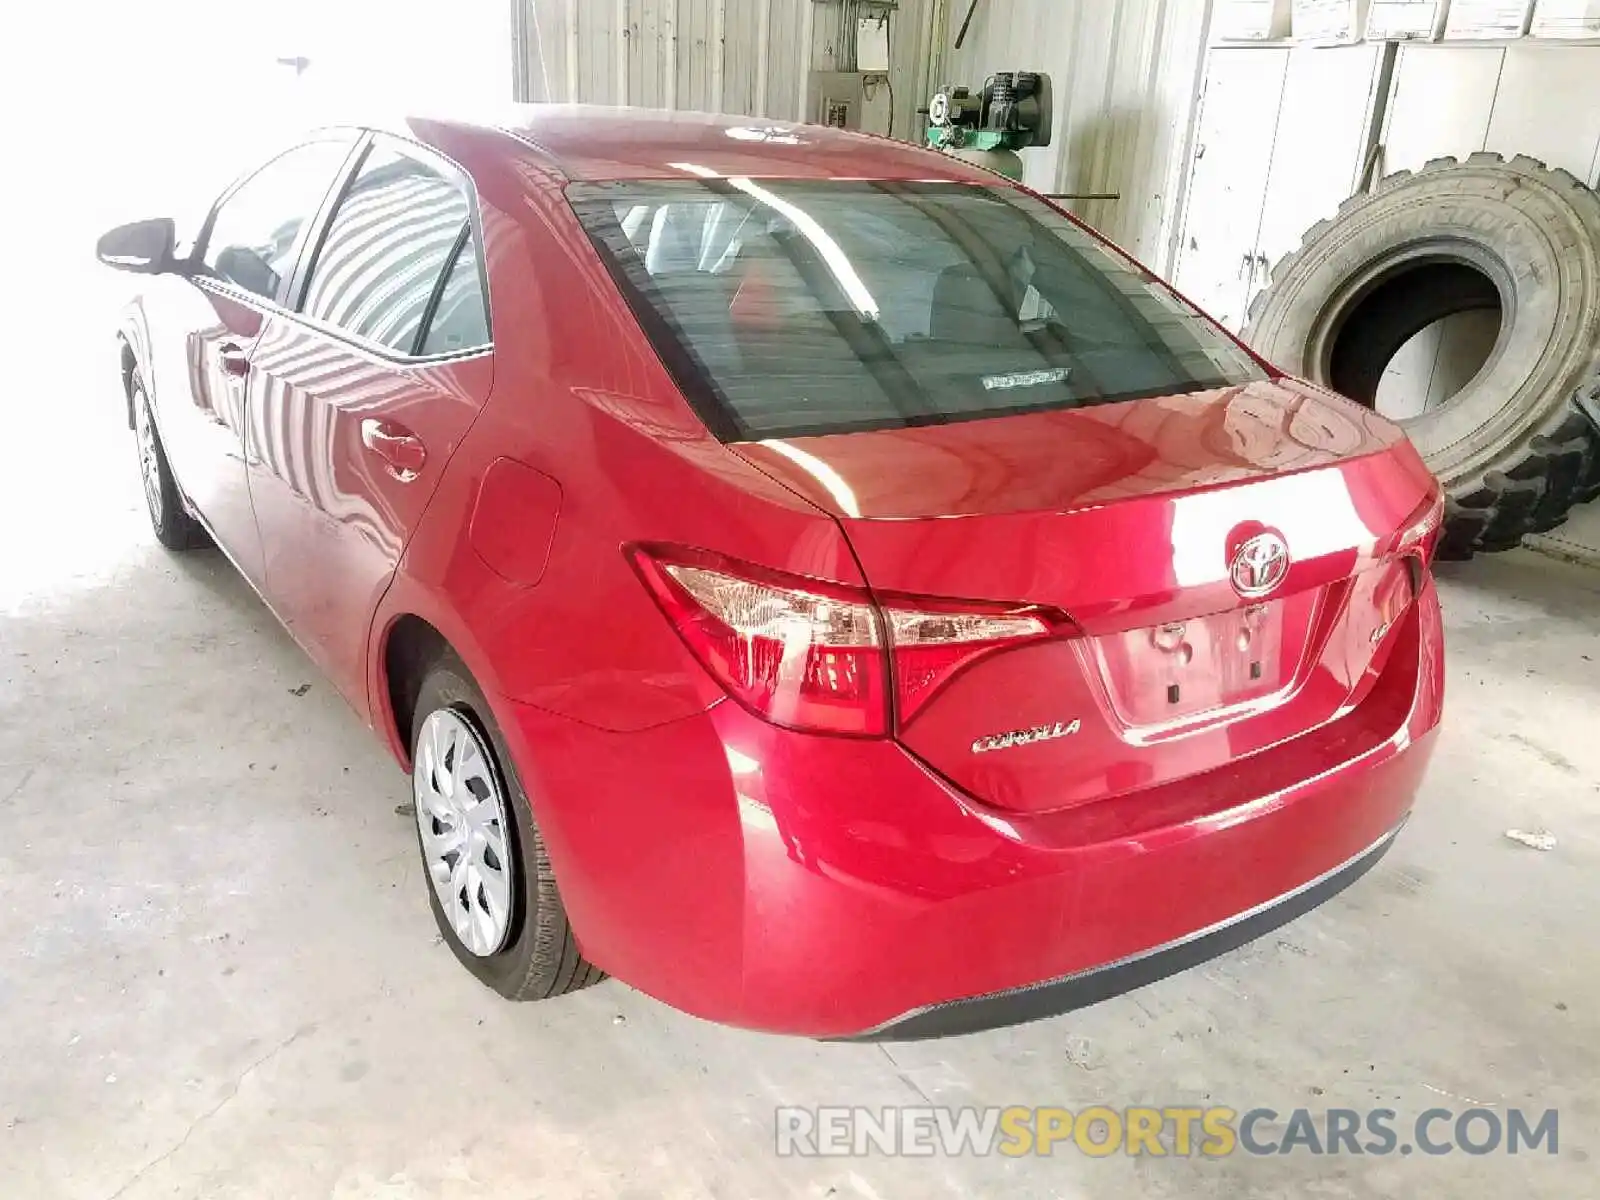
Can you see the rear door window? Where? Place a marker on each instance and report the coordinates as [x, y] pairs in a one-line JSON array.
[[804, 307], [460, 319], [393, 243]]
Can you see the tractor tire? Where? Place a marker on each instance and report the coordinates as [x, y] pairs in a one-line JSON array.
[[1518, 446]]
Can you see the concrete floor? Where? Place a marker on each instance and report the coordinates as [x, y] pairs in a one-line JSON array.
[[218, 976], [1578, 540]]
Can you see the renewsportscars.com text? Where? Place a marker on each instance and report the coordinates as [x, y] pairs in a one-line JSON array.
[[1176, 1131]]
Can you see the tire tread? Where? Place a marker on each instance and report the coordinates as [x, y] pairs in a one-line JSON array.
[[176, 529]]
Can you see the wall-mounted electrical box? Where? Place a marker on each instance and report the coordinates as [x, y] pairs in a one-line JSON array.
[[872, 45], [836, 98]]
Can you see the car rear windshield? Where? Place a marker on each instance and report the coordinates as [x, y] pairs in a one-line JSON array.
[[788, 307]]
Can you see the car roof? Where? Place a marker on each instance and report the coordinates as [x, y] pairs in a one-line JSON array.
[[596, 142]]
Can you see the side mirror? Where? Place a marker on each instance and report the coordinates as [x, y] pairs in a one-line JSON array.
[[144, 247]]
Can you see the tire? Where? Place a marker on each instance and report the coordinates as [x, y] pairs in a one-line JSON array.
[[536, 957], [1512, 449], [1589, 405], [174, 527]]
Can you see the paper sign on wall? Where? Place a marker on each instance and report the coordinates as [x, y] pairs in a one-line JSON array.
[[1566, 18], [1488, 19], [1402, 20], [1251, 20], [1329, 22]]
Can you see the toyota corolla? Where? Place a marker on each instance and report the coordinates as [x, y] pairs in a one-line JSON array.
[[818, 582]]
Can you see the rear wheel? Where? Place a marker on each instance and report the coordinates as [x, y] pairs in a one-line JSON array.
[[174, 527], [490, 884]]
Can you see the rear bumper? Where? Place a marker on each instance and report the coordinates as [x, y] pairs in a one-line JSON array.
[[834, 888], [1057, 996]]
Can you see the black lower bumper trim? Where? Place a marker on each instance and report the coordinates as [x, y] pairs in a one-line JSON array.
[[1071, 992]]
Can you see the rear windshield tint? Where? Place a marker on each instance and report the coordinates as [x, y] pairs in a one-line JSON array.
[[787, 307]]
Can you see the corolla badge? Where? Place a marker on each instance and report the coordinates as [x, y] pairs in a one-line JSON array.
[[1026, 737], [1259, 565]]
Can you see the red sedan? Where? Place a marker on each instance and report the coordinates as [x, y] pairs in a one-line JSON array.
[[816, 581]]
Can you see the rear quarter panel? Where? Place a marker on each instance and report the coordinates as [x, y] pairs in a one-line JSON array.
[[575, 654]]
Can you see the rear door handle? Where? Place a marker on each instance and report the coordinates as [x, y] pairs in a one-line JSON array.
[[401, 450], [234, 360]]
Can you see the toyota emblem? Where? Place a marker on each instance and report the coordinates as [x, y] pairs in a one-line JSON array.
[[1259, 565]]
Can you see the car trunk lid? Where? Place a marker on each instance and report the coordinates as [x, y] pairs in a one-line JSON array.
[[1131, 520]]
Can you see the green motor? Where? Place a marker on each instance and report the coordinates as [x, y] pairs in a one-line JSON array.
[[1011, 112]]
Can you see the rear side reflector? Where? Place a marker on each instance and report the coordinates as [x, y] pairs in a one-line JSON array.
[[817, 656]]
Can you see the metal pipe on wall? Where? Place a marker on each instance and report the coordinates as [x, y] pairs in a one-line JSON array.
[[719, 50], [936, 34], [808, 29], [670, 84], [624, 40], [520, 43], [573, 48], [763, 57]]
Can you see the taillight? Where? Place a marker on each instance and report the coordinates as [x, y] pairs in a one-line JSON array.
[[1420, 534], [818, 656], [808, 656], [930, 647], [1414, 545]]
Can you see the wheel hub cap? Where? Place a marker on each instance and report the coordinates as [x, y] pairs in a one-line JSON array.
[[461, 815], [149, 467]]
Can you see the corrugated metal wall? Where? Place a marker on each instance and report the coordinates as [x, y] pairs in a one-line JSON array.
[[740, 56], [1125, 74]]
